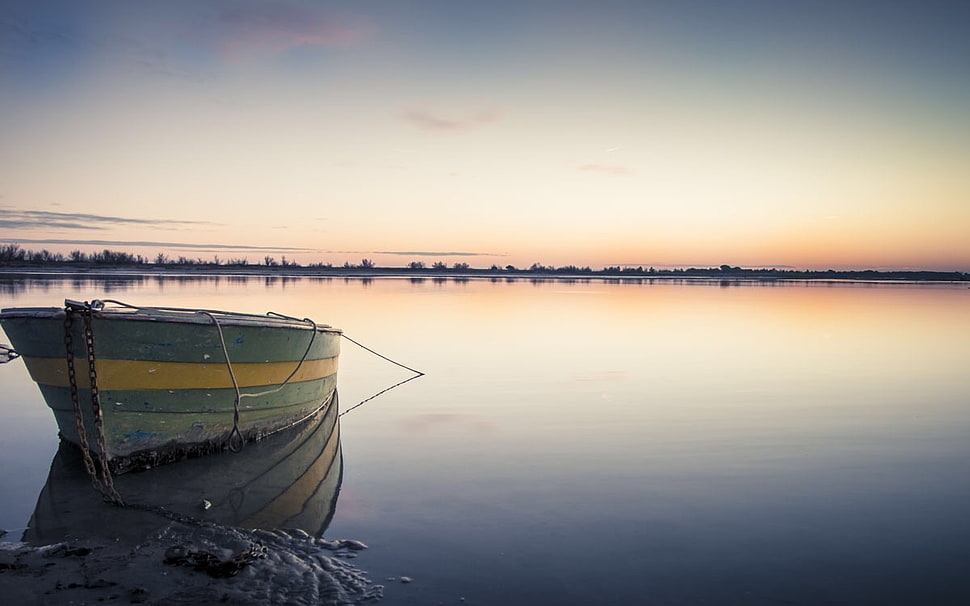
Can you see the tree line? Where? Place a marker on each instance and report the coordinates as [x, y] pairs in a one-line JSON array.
[[15, 255]]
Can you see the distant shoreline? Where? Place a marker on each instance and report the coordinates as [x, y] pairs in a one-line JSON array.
[[50, 270]]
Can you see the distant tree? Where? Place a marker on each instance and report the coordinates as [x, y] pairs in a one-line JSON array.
[[460, 266], [416, 265], [366, 264], [12, 252], [438, 265], [111, 257], [45, 256]]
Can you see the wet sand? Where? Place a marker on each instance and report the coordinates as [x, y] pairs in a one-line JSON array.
[[181, 538], [185, 561]]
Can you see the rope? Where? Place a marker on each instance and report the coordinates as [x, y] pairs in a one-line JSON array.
[[236, 439], [381, 392], [417, 373], [7, 354]]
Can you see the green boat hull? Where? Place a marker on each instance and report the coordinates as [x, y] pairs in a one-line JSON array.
[[166, 389]]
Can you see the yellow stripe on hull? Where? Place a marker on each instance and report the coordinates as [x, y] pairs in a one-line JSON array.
[[146, 375]]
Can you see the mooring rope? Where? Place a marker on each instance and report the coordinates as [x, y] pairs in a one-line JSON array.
[[214, 314], [417, 373], [7, 354], [381, 392], [104, 483], [236, 439]]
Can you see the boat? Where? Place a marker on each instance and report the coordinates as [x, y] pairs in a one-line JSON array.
[[290, 480], [137, 387]]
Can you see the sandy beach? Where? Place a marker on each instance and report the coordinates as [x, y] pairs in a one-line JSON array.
[[186, 534], [181, 560]]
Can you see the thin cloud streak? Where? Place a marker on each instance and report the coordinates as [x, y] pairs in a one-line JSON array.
[[431, 253], [277, 28], [186, 245], [33, 219], [34, 224], [430, 121], [23, 42], [241, 248]]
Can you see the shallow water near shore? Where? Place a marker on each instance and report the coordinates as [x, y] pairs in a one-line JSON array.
[[613, 441]]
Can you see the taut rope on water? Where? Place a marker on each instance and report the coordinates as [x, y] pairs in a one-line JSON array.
[[381, 392], [417, 373]]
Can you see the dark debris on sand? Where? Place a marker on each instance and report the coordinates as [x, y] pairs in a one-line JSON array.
[[186, 564]]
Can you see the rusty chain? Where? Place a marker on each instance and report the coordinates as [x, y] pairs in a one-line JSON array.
[[102, 482]]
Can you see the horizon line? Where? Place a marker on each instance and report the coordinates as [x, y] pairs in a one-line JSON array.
[[281, 249]]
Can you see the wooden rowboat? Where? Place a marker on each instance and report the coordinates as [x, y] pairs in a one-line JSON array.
[[171, 382]]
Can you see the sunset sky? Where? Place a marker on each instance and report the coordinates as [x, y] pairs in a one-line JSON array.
[[684, 133]]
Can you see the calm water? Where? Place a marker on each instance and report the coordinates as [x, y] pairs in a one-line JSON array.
[[617, 442]]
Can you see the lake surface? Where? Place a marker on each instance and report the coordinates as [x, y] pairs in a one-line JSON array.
[[615, 442]]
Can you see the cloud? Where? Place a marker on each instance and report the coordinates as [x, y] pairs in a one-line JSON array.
[[185, 245], [34, 224], [614, 170], [239, 248], [435, 122], [33, 219], [18, 37], [416, 253], [278, 27], [431, 253], [59, 52]]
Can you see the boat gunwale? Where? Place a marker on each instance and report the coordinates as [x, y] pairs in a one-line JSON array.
[[188, 316]]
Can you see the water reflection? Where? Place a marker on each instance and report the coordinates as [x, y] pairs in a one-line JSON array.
[[37, 283], [288, 480]]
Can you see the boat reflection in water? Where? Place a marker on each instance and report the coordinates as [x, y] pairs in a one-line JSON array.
[[290, 479]]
